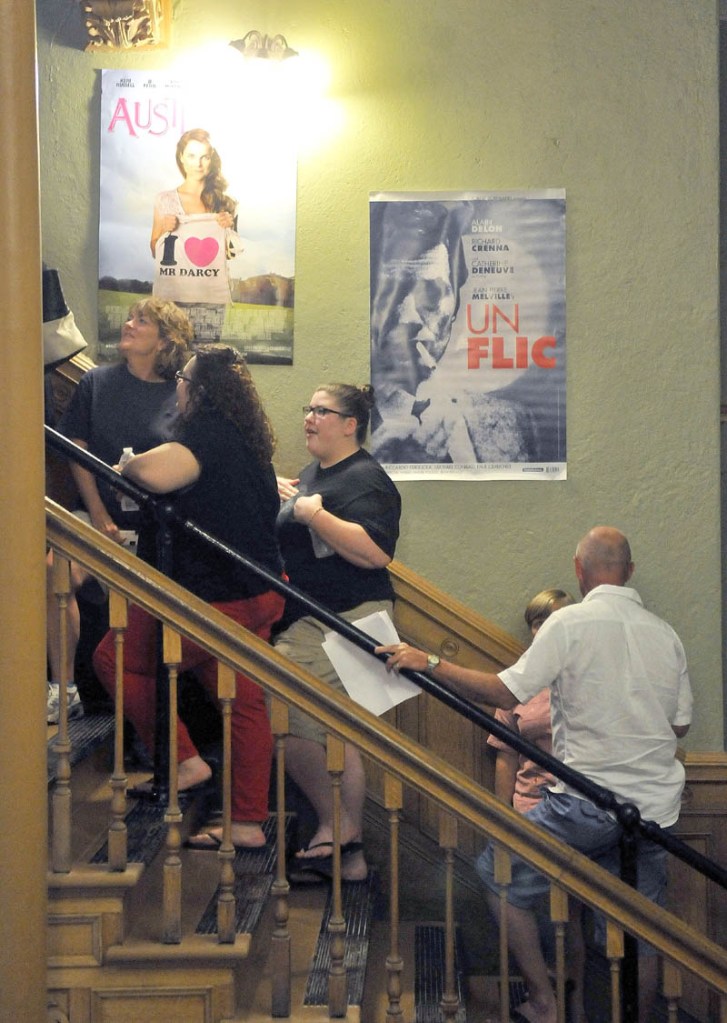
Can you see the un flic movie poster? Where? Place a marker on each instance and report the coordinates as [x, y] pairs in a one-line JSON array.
[[468, 335], [197, 208]]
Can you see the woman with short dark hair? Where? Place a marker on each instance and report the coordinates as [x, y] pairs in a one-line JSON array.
[[338, 531]]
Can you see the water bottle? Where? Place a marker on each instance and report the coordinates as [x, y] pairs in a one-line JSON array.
[[321, 549], [127, 504]]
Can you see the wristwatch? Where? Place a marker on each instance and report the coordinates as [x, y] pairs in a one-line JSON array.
[[432, 662]]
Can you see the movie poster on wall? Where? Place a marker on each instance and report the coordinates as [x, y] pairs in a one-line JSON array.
[[229, 259], [468, 334]]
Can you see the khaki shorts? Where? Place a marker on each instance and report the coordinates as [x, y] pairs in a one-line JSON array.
[[302, 643]]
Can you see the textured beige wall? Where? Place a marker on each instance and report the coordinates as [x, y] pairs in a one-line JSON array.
[[615, 102]]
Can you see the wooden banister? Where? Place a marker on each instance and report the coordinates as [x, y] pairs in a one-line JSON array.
[[397, 754]]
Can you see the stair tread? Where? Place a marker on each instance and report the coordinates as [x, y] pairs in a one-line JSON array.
[[254, 873], [194, 948], [86, 734], [146, 832], [357, 906], [429, 973]]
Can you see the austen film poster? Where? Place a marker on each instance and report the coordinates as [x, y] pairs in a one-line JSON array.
[[468, 335], [228, 256]]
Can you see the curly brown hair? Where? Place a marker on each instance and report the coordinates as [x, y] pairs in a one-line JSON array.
[[214, 197], [175, 329], [221, 383]]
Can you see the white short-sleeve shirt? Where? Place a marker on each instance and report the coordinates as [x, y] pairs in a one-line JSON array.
[[619, 681]]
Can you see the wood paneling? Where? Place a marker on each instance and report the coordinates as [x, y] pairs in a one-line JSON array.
[[696, 900], [432, 620]]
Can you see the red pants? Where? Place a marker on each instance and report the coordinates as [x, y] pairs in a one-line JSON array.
[[252, 742]]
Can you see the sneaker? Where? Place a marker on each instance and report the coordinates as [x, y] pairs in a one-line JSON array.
[[75, 707]]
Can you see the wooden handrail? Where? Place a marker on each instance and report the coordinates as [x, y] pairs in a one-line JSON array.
[[399, 755]]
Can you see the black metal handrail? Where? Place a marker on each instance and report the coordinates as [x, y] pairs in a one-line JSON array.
[[626, 813], [161, 508]]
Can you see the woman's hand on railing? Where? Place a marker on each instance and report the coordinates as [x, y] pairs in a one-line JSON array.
[[102, 521]]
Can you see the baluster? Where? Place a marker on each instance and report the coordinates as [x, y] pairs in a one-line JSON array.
[[503, 877], [614, 954], [337, 980], [61, 801], [672, 989], [393, 801], [280, 945], [559, 919], [448, 842], [226, 687], [172, 926], [118, 834]]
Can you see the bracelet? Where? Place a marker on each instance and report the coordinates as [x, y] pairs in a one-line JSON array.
[[319, 508]]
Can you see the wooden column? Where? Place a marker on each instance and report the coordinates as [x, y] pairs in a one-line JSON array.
[[23, 778]]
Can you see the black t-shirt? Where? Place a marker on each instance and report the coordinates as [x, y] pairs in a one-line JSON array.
[[111, 409], [358, 490], [236, 500]]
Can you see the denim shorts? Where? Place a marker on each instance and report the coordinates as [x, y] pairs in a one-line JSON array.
[[593, 832]]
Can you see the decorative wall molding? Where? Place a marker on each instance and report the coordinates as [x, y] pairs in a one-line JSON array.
[[127, 24], [56, 1015]]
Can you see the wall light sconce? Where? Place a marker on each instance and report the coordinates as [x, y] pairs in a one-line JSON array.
[[127, 24], [255, 44]]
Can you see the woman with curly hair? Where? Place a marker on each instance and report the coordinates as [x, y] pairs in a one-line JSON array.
[[131, 403], [218, 469]]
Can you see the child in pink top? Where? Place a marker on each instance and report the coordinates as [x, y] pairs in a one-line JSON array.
[[519, 780]]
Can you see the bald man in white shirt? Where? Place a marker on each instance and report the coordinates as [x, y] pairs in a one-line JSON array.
[[620, 698]]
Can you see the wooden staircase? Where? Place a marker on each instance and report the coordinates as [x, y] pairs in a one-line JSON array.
[[106, 960], [124, 947], [105, 957]]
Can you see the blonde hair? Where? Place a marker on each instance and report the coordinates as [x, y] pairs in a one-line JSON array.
[[544, 603], [175, 330]]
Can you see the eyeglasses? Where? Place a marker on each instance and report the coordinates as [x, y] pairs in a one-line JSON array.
[[180, 376], [320, 411]]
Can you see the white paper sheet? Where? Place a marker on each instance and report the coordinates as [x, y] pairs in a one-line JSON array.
[[366, 679]]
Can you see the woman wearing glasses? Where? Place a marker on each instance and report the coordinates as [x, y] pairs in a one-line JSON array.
[[220, 472], [131, 403], [337, 529]]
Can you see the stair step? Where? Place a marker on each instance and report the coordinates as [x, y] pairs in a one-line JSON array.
[[429, 974], [251, 893], [146, 833], [195, 949], [357, 902], [254, 873], [86, 734], [146, 829]]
